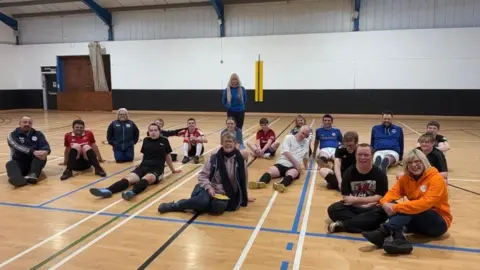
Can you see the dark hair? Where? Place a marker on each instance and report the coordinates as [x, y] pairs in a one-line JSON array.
[[350, 136], [434, 123], [191, 119], [387, 112], [78, 122], [328, 116], [366, 145], [263, 121]]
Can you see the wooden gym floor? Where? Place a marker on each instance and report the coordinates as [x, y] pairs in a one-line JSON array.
[[59, 224]]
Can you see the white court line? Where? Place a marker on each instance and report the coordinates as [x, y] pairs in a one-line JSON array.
[[98, 238], [254, 234], [84, 220], [303, 231], [407, 126]]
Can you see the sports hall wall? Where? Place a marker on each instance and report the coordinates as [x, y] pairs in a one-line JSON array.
[[414, 58]]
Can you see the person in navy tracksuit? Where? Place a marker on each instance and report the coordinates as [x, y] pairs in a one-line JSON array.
[[29, 149], [387, 141], [234, 99], [122, 135]]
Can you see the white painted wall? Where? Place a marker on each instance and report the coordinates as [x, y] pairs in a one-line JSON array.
[[407, 59], [6, 34], [8, 67]]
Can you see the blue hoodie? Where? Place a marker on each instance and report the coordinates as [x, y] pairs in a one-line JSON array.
[[387, 138], [23, 145], [236, 105]]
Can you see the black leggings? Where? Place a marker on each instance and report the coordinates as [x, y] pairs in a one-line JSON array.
[[238, 116], [357, 219], [201, 201]]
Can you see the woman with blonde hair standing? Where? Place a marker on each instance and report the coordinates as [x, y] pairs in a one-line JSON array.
[[427, 211], [234, 99]]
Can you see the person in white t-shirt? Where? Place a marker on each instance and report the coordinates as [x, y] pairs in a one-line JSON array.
[[295, 150]]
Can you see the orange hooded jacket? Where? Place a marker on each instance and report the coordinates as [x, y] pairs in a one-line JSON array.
[[428, 192]]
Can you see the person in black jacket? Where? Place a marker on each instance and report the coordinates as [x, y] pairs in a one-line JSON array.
[[122, 135], [29, 149]]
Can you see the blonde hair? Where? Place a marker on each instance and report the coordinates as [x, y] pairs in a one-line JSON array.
[[415, 154], [229, 88]]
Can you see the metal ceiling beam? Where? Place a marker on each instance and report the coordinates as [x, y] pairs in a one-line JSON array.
[[34, 3], [139, 8], [12, 23], [103, 14], [220, 9], [356, 19]]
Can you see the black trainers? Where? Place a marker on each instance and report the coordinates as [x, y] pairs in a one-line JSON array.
[[18, 181], [196, 159], [101, 172], [398, 245], [66, 174], [336, 226], [167, 207], [377, 237], [185, 160], [31, 178]]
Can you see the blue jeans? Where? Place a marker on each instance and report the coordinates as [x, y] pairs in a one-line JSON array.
[[428, 223], [124, 156]]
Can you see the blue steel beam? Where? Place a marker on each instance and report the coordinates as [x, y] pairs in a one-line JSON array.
[[356, 20], [103, 14], [12, 23], [220, 9]]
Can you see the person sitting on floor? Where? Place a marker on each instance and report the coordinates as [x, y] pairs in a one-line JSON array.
[[441, 142], [122, 135], [363, 186], [289, 163], [300, 121], [388, 142], [434, 155], [167, 133], [427, 211], [221, 183], [156, 150], [81, 151], [29, 149], [232, 127], [327, 139], [193, 140], [344, 159], [265, 146]]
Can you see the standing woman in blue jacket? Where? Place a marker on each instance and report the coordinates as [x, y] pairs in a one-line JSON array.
[[122, 135], [234, 99]]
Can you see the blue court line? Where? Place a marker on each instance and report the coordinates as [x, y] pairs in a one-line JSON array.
[[105, 178], [234, 226], [289, 246], [284, 265], [298, 214]]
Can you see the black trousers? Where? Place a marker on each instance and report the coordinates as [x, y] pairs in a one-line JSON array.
[[16, 168], [239, 117], [201, 201], [357, 219]]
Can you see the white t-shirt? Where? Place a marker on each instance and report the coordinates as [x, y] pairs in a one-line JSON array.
[[298, 149]]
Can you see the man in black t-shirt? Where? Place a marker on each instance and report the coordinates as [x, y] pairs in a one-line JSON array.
[[156, 150], [441, 143], [344, 158], [362, 187]]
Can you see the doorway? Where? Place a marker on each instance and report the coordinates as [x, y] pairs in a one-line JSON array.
[[49, 82]]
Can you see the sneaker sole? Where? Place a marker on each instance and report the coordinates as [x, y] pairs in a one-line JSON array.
[[18, 182], [256, 185], [384, 164], [397, 250], [378, 245], [378, 161], [98, 193], [280, 188]]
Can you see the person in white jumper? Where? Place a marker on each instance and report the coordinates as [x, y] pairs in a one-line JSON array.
[[294, 152]]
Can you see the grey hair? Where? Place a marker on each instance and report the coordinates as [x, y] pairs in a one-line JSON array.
[[229, 135], [414, 154]]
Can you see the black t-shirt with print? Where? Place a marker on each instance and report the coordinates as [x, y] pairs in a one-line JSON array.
[[155, 151], [356, 184], [348, 159], [437, 159]]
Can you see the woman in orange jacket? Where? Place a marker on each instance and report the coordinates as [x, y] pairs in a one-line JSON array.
[[426, 212]]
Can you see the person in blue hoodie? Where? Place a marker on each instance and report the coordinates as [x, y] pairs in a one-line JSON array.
[[234, 99], [122, 135], [387, 141], [29, 149]]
